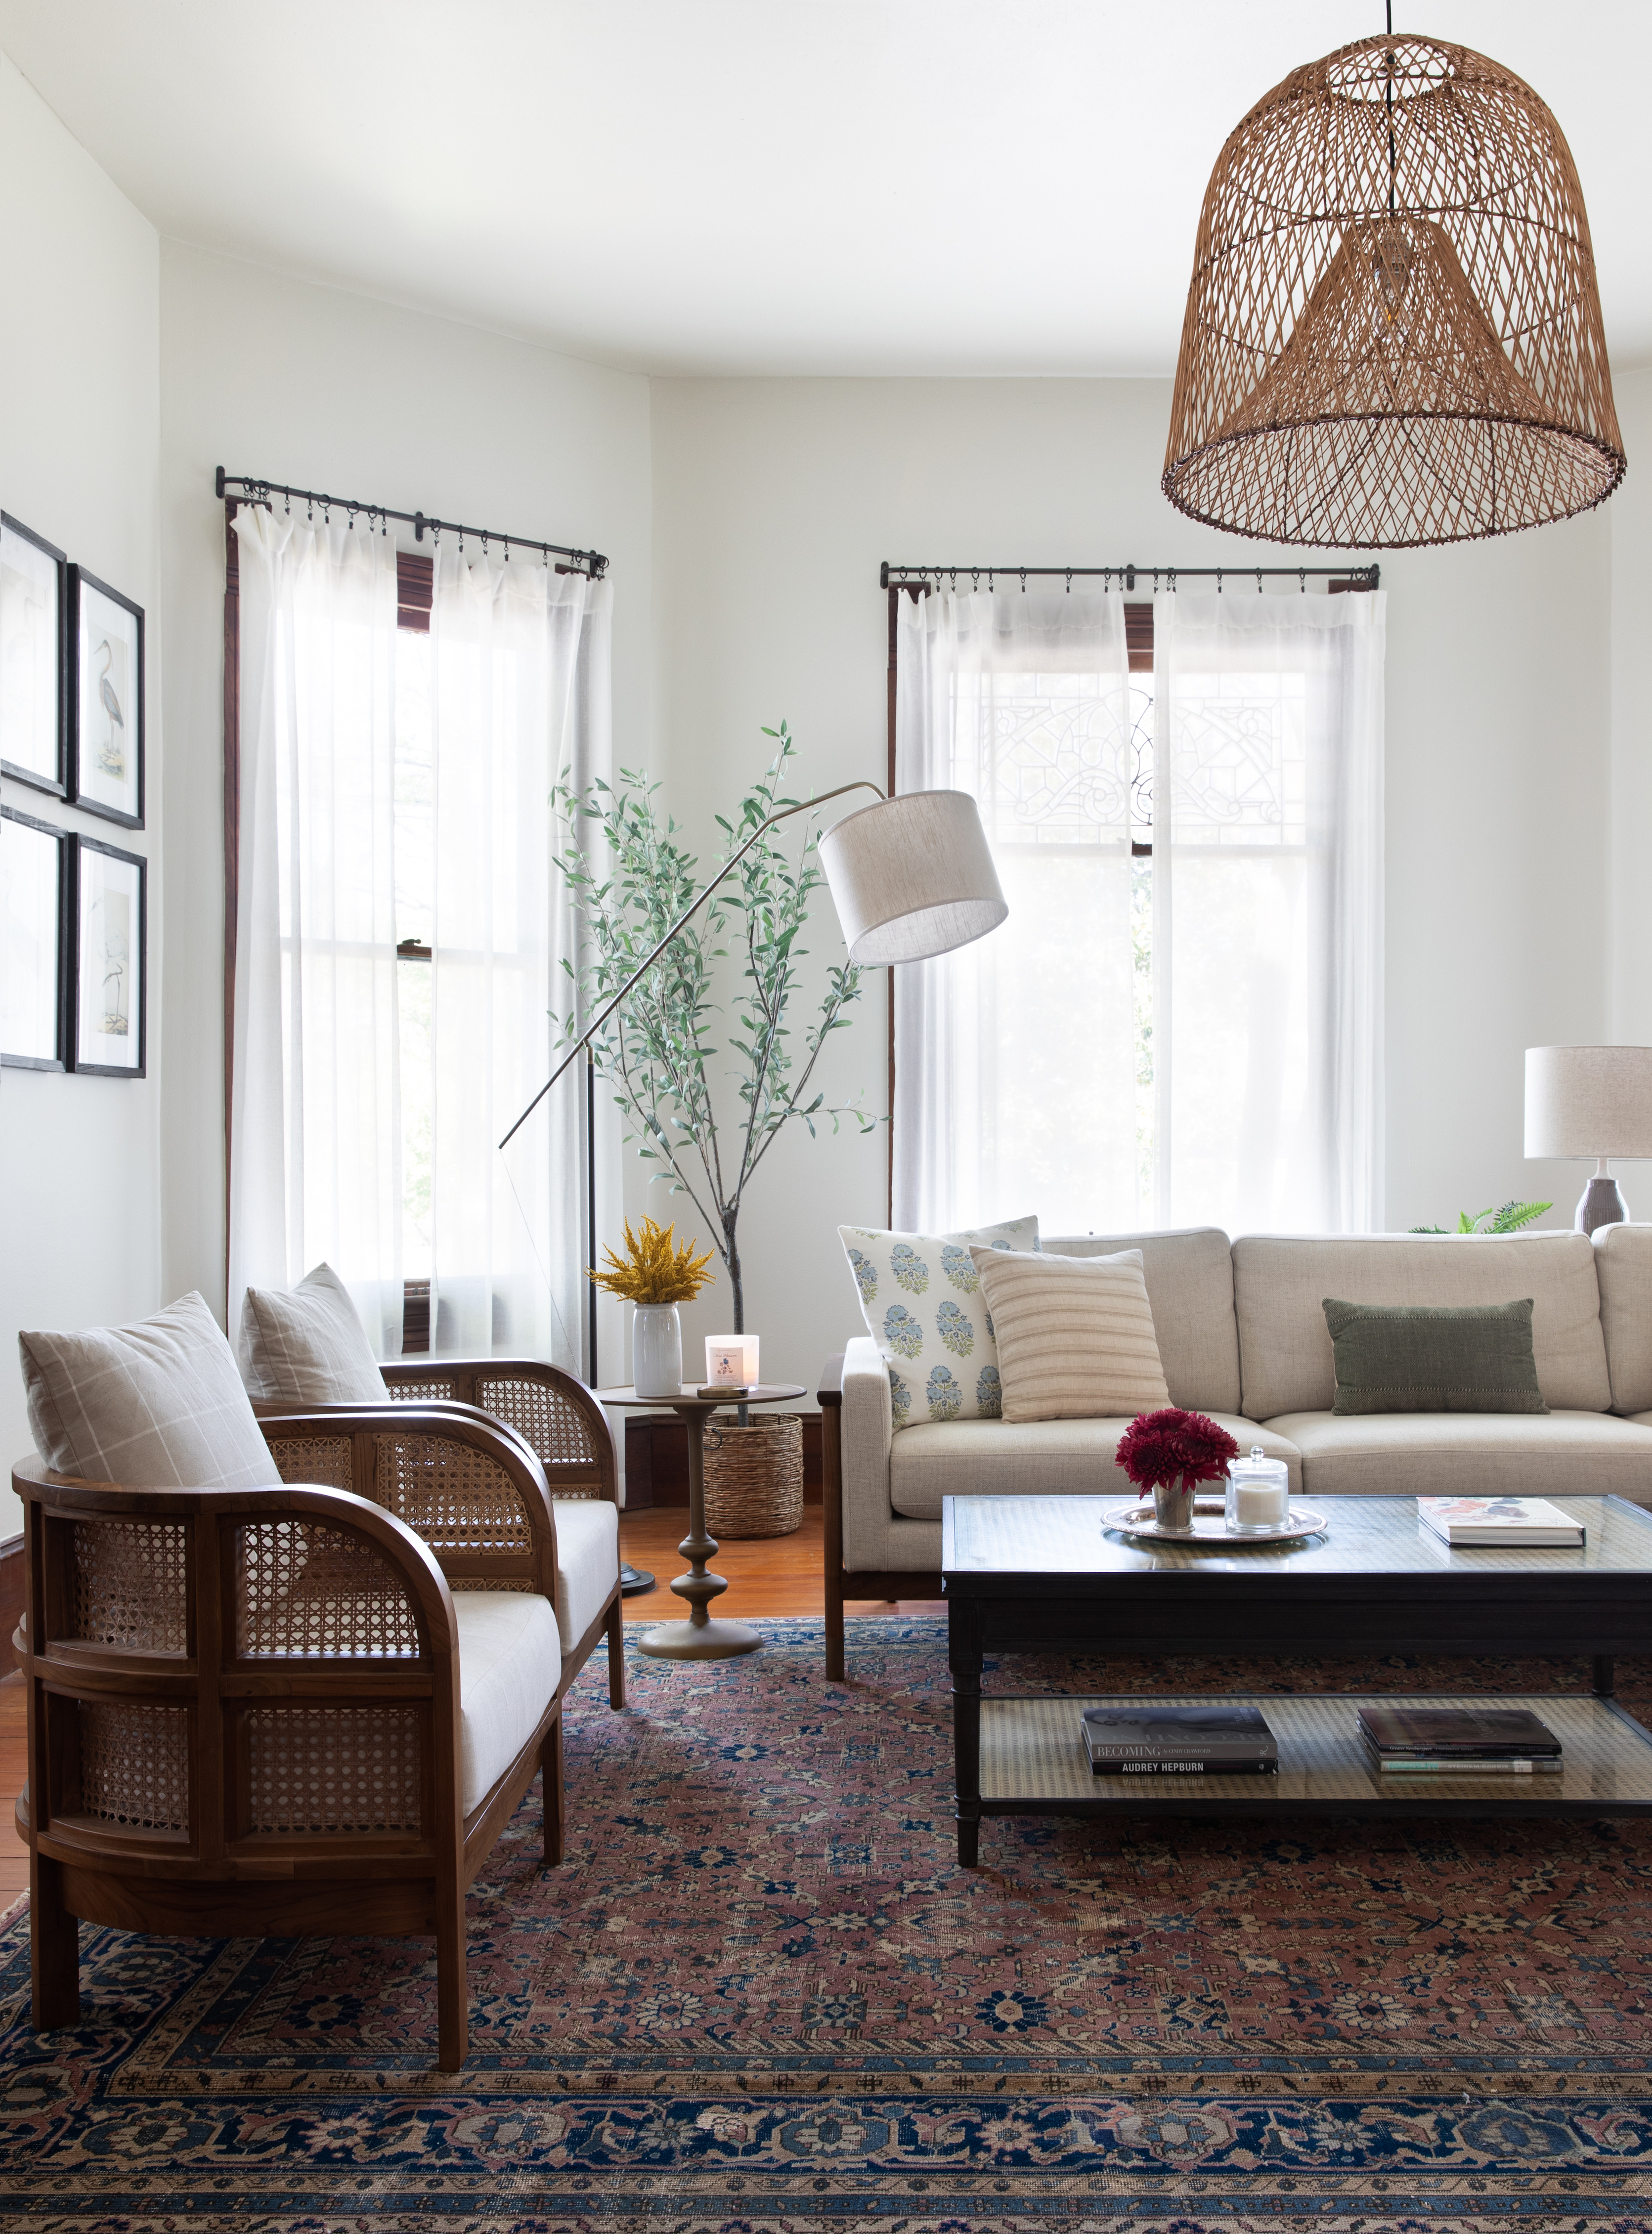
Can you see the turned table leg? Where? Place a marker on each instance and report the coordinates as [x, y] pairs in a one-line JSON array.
[[699, 1637]]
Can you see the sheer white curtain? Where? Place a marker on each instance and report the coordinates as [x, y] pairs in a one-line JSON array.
[[520, 683], [1015, 1058], [1267, 938], [316, 1134]]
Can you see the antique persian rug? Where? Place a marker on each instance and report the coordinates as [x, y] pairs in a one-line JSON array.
[[760, 1995]]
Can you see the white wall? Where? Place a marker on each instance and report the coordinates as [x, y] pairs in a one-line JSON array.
[[774, 500], [304, 384], [1629, 807], [80, 1228]]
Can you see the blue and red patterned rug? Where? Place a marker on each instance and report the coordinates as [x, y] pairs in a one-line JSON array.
[[760, 1995]]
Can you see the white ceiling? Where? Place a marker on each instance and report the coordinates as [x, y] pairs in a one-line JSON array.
[[953, 186]]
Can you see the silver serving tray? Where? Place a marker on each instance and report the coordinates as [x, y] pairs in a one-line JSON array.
[[1209, 1526]]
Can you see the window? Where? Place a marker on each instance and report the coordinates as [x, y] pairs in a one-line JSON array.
[[1180, 1024]]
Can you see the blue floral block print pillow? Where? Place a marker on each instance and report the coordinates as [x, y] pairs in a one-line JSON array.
[[921, 1295]]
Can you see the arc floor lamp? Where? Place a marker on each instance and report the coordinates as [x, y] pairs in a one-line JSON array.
[[911, 877]]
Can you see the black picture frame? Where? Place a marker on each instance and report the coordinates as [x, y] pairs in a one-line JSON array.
[[98, 707], [59, 1058], [55, 780], [89, 882]]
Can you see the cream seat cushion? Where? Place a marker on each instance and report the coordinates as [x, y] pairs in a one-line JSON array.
[[305, 1345], [1041, 1458], [159, 1404], [587, 1561], [1470, 1454], [510, 1664], [1075, 1335]]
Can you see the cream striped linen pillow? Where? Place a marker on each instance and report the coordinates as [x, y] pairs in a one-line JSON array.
[[1076, 1336]]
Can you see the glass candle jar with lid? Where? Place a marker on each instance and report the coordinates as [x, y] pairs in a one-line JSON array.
[[1258, 1493]]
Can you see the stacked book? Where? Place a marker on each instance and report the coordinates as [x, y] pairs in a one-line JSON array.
[[1459, 1740], [1154, 1740], [1499, 1521]]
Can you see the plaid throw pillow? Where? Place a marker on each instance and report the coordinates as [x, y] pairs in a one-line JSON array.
[[305, 1345], [159, 1405]]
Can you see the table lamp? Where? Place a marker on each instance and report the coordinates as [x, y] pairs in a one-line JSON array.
[[1590, 1101]]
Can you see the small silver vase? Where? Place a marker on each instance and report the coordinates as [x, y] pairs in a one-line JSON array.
[[1173, 1504]]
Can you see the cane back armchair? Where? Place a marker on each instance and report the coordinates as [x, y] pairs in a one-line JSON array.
[[296, 1709]]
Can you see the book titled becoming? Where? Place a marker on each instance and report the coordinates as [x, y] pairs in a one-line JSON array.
[[1155, 1740]]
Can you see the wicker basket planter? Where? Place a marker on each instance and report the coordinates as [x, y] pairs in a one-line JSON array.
[[754, 1475]]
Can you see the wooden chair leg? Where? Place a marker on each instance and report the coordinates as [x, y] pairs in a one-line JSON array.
[[53, 1949], [615, 1656], [551, 1786], [453, 1993], [833, 1624]]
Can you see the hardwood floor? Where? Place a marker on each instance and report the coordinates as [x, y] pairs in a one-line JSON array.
[[771, 1575], [765, 1575]]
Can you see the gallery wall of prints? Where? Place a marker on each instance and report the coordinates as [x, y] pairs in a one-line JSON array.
[[74, 914]]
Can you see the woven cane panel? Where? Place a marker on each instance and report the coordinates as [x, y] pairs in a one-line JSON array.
[[1393, 333], [324, 1460], [550, 1420], [314, 1592], [131, 1584], [456, 1497], [332, 1768], [424, 1392], [134, 1765]]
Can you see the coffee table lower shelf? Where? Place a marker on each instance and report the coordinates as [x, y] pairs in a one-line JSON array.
[[1032, 1763]]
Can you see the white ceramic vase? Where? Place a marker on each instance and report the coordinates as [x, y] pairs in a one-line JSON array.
[[656, 1350]]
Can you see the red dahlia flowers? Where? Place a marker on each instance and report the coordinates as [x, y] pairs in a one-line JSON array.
[[1159, 1447]]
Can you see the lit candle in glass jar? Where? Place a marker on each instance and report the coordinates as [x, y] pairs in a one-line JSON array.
[[731, 1361]]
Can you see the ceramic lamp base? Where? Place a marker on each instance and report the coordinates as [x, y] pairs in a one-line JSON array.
[[1601, 1203]]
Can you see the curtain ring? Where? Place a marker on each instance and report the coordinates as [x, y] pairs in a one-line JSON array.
[[1258, 581], [1069, 581], [1023, 581], [1218, 581], [990, 590], [1155, 581], [1302, 579]]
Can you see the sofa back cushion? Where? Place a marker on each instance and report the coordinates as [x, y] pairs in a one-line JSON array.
[[1281, 1281], [1190, 1286], [1623, 1267], [160, 1404]]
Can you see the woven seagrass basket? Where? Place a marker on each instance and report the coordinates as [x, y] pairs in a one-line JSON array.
[[754, 1475]]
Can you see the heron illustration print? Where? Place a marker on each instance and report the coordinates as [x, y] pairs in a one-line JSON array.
[[108, 702]]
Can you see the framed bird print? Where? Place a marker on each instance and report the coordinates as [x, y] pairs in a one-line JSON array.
[[107, 718], [110, 914], [33, 638], [34, 919]]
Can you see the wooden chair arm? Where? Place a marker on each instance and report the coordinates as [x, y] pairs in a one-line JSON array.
[[70, 1497], [553, 1411], [831, 1388], [465, 1483]]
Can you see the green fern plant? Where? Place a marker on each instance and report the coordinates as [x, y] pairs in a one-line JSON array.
[[1509, 1219]]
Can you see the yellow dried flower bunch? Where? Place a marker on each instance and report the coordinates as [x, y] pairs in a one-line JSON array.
[[651, 1271]]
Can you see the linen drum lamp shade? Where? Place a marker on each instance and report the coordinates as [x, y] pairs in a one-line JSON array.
[[1590, 1101], [913, 876]]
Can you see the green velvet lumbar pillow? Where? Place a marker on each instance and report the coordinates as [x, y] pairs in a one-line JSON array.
[[1434, 1357]]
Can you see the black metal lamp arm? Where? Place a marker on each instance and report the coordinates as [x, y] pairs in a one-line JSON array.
[[698, 902]]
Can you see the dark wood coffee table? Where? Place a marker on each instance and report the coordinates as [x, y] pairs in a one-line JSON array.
[[1043, 1574]]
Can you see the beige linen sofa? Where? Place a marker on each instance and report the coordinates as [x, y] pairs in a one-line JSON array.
[[1242, 1338]]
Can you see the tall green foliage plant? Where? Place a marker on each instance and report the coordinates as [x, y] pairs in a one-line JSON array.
[[630, 876]]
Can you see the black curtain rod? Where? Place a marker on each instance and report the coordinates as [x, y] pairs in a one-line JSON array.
[[890, 577], [253, 491]]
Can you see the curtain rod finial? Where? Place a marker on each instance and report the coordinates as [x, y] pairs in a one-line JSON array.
[[218, 481]]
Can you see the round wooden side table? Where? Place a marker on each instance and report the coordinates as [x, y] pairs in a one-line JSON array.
[[699, 1637]]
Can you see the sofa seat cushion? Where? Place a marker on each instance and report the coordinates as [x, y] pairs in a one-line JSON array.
[[1044, 1458], [510, 1664], [587, 1561], [1470, 1454]]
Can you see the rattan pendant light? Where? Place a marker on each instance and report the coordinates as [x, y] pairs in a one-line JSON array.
[[1393, 335]]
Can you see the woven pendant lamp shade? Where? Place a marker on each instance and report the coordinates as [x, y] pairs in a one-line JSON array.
[[1392, 334]]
